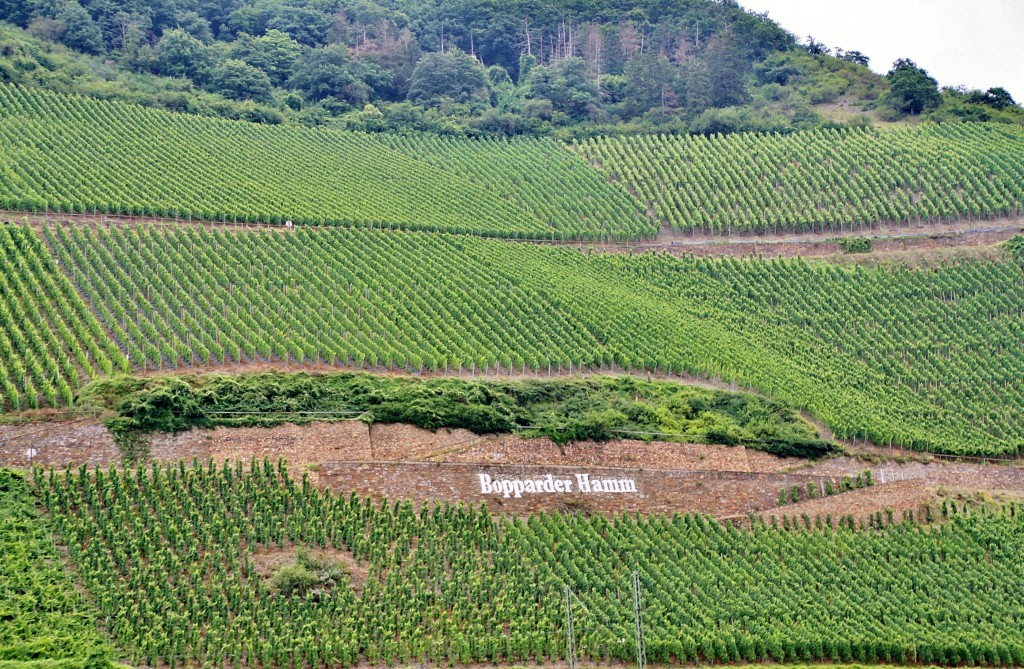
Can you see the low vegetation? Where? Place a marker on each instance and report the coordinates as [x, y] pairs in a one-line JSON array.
[[597, 408], [45, 623]]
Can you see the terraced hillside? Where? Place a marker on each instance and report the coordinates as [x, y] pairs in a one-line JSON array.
[[540, 176], [73, 154], [929, 359], [201, 566], [50, 343], [820, 180]]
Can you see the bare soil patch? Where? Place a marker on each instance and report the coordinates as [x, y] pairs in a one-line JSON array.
[[266, 560], [890, 241]]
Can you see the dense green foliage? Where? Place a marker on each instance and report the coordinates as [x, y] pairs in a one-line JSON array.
[[819, 181], [475, 68], [856, 244], [911, 89], [929, 359], [78, 155], [1015, 247], [40, 63], [598, 408], [50, 343], [168, 556], [44, 621], [539, 176]]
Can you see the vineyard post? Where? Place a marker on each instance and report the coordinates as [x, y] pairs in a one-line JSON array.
[[641, 650], [570, 632]]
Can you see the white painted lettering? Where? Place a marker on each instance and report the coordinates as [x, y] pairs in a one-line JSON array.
[[549, 483], [586, 484], [583, 480], [485, 484]]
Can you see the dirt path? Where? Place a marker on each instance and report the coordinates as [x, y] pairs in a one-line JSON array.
[[889, 239]]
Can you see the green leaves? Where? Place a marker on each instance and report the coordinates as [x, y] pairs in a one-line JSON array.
[[181, 562], [82, 155], [821, 180], [49, 340], [43, 615], [926, 360]]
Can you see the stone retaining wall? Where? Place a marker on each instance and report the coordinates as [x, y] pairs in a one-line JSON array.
[[80, 442], [721, 493]]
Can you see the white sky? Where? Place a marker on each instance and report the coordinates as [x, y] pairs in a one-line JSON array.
[[977, 43]]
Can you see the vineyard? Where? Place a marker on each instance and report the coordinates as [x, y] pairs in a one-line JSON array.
[[50, 343], [825, 181], [925, 359], [42, 616], [539, 176], [72, 154], [171, 556]]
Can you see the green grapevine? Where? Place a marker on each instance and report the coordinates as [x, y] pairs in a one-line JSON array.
[[925, 359], [820, 180], [50, 343], [169, 556], [72, 154], [42, 616]]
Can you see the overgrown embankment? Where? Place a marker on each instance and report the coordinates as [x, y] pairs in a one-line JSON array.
[[568, 409]]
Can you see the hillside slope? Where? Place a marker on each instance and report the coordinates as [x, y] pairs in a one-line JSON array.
[[184, 549], [46, 620], [929, 359], [820, 181], [74, 154]]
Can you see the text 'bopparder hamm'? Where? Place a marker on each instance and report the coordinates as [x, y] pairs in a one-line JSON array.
[[583, 483]]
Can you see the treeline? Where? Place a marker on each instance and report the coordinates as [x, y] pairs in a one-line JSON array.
[[462, 67]]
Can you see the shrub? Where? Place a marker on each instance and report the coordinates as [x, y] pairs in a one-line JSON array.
[[856, 244]]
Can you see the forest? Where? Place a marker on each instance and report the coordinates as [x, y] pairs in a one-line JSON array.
[[537, 67]]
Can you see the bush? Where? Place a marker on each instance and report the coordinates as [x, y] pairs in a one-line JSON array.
[[305, 574], [597, 408], [856, 244]]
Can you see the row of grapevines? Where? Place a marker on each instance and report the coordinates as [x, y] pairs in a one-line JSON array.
[[540, 176], [50, 343], [930, 360], [181, 296], [63, 153], [42, 616], [68, 153], [169, 558], [820, 180]]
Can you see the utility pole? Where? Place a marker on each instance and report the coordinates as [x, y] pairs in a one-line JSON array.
[[570, 632], [641, 650]]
